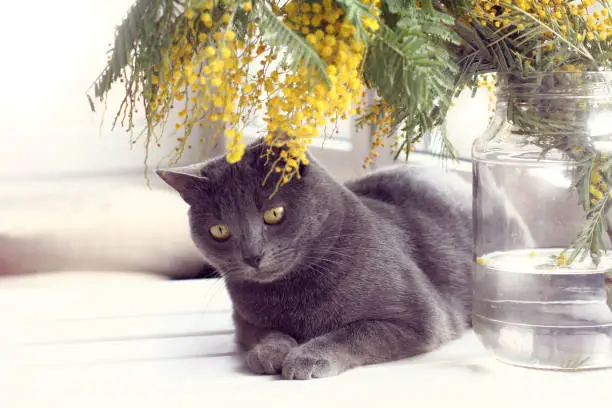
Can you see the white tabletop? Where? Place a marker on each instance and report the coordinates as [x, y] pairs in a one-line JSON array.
[[170, 344]]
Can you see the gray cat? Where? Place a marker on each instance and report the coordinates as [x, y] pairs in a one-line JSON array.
[[325, 277]]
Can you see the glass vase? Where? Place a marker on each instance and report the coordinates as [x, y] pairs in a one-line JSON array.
[[540, 173]]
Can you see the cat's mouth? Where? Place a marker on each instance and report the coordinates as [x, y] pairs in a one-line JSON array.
[[269, 273], [263, 275]]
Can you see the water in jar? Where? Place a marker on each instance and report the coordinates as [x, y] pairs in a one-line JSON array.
[[530, 313]]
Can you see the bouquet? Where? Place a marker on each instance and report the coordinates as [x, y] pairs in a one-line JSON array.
[[306, 64]]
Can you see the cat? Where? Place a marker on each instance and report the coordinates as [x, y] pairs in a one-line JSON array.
[[325, 277]]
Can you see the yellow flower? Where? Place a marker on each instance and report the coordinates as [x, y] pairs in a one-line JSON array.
[[326, 51], [590, 21], [595, 192], [206, 19], [216, 66], [189, 14], [247, 6], [561, 260], [209, 51], [225, 53], [329, 40]]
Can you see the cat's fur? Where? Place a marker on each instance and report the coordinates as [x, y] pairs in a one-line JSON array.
[[375, 270]]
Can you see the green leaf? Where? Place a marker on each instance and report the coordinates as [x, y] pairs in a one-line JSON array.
[[399, 6], [145, 29], [413, 70], [92, 106]]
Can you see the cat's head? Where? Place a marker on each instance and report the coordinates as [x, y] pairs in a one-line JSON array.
[[243, 229]]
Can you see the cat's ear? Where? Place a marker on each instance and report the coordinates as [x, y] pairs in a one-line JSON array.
[[184, 181]]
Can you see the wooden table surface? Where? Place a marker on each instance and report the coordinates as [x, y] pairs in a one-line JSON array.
[[170, 344]]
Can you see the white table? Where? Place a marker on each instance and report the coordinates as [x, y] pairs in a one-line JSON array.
[[169, 344]]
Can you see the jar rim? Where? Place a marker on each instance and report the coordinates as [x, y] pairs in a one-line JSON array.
[[573, 84], [607, 74]]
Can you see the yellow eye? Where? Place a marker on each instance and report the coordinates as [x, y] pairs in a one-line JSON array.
[[220, 232], [274, 215]]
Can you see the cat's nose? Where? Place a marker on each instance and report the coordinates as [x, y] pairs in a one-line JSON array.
[[252, 260]]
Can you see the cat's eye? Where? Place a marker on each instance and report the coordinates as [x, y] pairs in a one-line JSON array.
[[274, 215], [220, 232]]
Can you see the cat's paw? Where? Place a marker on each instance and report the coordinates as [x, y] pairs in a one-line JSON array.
[[267, 357], [305, 363]]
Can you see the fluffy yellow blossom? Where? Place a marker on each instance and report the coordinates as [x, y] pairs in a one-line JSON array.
[[307, 101], [379, 119], [206, 19], [209, 51], [234, 145], [575, 19], [215, 75]]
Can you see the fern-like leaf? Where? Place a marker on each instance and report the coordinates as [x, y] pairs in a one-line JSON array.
[[413, 71], [142, 30]]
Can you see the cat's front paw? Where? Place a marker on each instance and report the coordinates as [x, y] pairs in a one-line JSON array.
[[267, 357], [305, 363]]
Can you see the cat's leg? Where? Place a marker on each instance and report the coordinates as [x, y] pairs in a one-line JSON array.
[[359, 343], [266, 349]]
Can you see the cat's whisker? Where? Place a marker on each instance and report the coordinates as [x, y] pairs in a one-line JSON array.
[[317, 262], [216, 287], [351, 254], [340, 236], [320, 272]]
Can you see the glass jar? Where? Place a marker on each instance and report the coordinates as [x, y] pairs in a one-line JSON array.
[[538, 171]]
